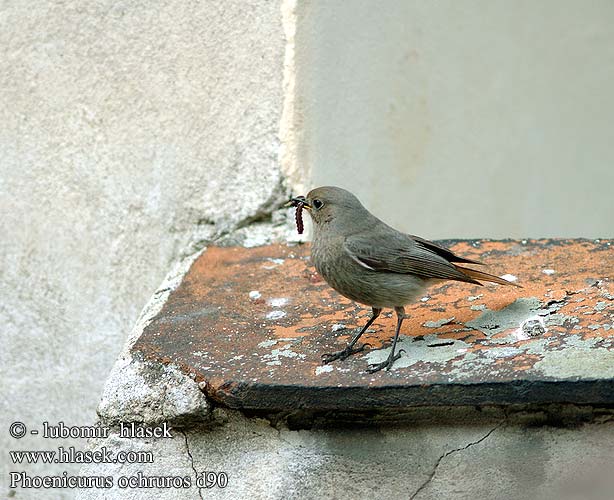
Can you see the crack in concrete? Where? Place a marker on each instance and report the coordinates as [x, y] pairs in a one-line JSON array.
[[163, 403], [222, 229], [605, 419], [284, 440], [450, 452], [187, 447]]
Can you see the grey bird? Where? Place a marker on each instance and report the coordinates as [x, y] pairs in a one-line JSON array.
[[367, 261]]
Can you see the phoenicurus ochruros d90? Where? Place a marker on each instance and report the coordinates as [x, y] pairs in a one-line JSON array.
[[369, 262]]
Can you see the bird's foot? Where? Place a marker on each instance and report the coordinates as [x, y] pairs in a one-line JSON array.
[[346, 353], [384, 364]]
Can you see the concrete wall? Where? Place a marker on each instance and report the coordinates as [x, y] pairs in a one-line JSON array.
[[130, 133], [455, 456], [463, 119]]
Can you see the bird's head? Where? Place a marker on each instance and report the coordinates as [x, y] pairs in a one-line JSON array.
[[330, 204]]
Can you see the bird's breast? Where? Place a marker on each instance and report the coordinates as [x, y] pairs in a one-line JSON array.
[[373, 288]]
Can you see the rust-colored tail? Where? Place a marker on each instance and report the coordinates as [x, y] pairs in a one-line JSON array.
[[480, 275]]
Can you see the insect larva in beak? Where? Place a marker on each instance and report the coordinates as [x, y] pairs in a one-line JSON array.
[[298, 217]]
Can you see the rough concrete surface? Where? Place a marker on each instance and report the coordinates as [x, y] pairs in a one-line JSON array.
[[131, 135], [555, 452], [135, 134], [476, 456], [151, 393], [251, 326]]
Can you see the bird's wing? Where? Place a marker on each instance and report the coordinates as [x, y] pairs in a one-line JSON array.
[[444, 252], [399, 253]]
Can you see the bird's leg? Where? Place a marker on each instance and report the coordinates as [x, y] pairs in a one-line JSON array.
[[349, 350], [391, 357]]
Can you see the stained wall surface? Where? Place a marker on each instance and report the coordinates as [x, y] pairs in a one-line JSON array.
[[472, 119], [129, 134]]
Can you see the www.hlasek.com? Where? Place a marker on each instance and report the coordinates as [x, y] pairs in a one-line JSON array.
[[102, 455], [71, 455]]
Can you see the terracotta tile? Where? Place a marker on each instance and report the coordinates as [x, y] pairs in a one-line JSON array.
[[264, 351]]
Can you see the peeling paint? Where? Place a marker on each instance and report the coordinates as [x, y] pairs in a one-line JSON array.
[[510, 277], [533, 326], [512, 316], [278, 302], [419, 352], [245, 360], [583, 364], [323, 369], [439, 323], [267, 343], [273, 263], [276, 314], [284, 352]]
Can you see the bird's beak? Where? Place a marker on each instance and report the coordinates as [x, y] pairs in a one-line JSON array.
[[293, 202]]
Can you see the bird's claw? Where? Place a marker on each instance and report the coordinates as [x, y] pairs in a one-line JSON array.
[[346, 353], [384, 364]]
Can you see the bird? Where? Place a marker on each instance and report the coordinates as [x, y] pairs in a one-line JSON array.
[[370, 262]]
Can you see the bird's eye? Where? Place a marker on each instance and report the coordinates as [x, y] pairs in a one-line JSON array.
[[317, 204]]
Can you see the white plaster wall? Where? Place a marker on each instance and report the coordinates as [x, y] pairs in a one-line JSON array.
[[133, 132], [463, 119], [130, 132]]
